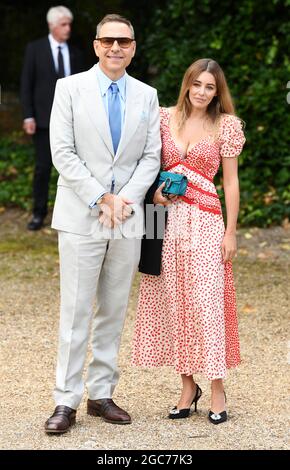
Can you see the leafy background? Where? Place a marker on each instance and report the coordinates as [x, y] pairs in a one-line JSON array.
[[250, 40]]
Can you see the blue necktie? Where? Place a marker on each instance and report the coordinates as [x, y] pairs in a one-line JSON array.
[[114, 114]]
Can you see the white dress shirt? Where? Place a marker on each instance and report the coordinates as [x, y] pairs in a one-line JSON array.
[[65, 52]]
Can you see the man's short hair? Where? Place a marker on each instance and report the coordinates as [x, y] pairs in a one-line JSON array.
[[54, 14], [113, 18]]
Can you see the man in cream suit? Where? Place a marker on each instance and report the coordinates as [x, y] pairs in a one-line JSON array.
[[105, 143]]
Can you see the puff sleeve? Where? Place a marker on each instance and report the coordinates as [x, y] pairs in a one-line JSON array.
[[232, 137]]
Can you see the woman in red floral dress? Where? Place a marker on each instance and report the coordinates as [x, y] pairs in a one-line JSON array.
[[187, 317]]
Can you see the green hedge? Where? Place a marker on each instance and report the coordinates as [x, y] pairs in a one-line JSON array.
[[251, 41], [16, 176], [16, 173]]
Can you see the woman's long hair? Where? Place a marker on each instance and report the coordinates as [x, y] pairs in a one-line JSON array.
[[222, 103]]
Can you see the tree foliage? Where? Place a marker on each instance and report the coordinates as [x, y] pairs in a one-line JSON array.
[[16, 172], [251, 41]]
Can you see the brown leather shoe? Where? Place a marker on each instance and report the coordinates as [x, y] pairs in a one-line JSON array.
[[108, 410], [61, 420]]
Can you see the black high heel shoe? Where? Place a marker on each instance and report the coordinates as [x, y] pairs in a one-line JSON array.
[[218, 418], [184, 413]]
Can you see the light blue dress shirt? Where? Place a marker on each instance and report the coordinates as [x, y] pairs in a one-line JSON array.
[[104, 84], [65, 52]]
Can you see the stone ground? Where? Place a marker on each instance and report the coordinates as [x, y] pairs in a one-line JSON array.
[[257, 391]]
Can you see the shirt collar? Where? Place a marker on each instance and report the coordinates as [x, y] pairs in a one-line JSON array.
[[55, 43], [105, 83]]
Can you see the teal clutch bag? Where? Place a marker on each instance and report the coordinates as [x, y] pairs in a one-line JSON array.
[[174, 183]]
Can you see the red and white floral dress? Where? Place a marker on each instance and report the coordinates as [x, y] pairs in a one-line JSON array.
[[187, 316]]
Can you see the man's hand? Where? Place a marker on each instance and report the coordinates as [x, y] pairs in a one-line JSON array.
[[29, 126], [105, 220], [114, 210]]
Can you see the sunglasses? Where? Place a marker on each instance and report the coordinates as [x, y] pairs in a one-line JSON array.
[[124, 43]]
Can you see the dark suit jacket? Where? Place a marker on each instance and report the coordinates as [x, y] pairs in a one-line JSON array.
[[151, 248], [39, 78]]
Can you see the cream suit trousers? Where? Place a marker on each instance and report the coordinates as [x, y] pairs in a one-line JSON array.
[[92, 269]]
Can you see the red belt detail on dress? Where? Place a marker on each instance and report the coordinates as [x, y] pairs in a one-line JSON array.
[[189, 167], [202, 190], [200, 206]]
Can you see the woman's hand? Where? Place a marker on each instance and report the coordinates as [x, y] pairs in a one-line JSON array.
[[161, 199], [229, 247]]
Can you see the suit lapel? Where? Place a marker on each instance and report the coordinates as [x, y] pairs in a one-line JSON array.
[[71, 60], [133, 108], [74, 60], [48, 54], [90, 92]]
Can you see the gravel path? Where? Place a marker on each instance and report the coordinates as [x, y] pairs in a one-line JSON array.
[[257, 391]]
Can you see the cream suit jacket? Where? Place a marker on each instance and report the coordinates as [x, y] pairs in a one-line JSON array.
[[82, 152]]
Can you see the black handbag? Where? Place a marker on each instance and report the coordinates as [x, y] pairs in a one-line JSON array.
[[151, 248]]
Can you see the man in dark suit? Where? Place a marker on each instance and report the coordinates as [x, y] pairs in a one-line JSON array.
[[46, 60]]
